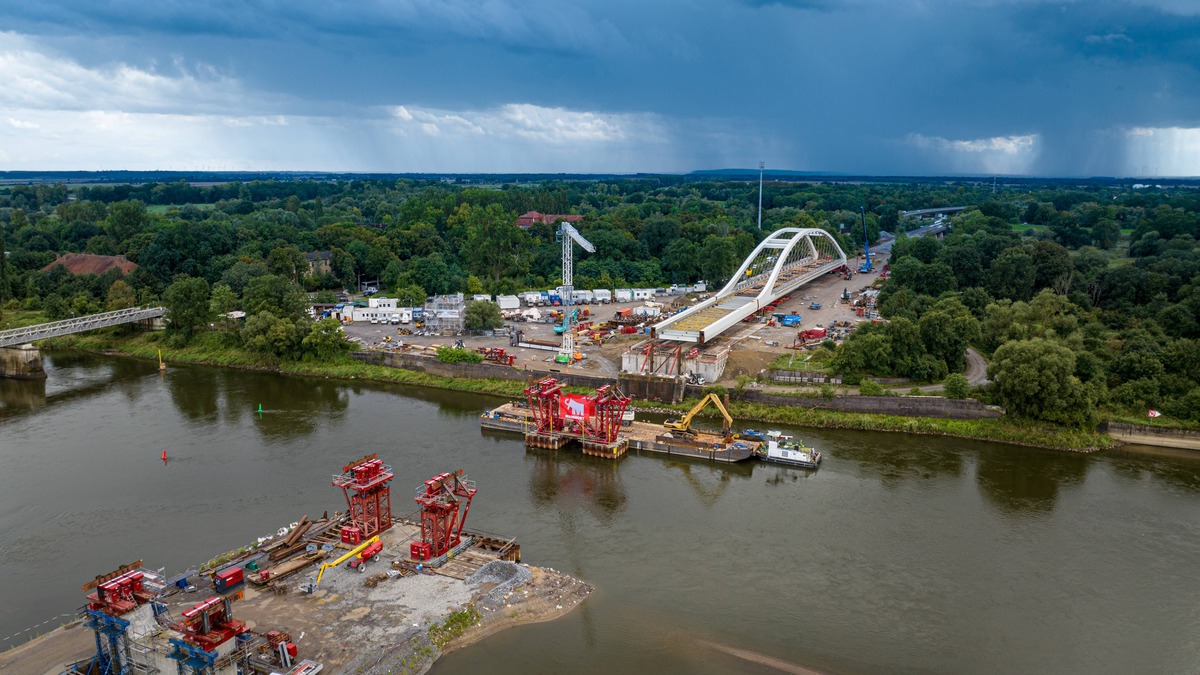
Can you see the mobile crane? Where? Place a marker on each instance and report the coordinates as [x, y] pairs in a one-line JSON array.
[[683, 425], [867, 266]]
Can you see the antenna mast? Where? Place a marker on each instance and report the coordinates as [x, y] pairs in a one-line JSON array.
[[760, 179]]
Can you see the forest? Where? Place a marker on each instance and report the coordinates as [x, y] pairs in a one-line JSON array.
[[1084, 299]]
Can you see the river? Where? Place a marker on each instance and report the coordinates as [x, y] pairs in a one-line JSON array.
[[902, 554]]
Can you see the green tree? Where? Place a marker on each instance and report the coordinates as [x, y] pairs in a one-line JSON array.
[[186, 302], [1035, 379], [325, 341], [716, 259], [125, 219], [681, 259], [482, 315], [870, 388], [947, 330], [956, 386], [1106, 233], [288, 262], [1012, 275], [6, 292], [223, 301], [495, 246], [267, 333], [120, 296], [275, 295]]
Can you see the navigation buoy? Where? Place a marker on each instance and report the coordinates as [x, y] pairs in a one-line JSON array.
[[260, 410], [164, 455]]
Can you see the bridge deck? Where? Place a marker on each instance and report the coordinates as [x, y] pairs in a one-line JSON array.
[[20, 336]]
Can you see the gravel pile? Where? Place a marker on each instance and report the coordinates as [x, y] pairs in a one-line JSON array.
[[504, 574]]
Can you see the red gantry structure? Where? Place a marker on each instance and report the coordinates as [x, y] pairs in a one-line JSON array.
[[445, 500], [368, 497], [209, 624], [559, 417], [544, 403]]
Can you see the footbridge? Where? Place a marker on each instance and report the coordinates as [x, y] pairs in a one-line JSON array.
[[20, 336], [782, 263]]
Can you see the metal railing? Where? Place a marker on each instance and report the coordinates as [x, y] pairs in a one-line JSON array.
[[18, 336]]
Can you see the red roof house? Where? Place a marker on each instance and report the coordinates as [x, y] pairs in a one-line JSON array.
[[532, 218]]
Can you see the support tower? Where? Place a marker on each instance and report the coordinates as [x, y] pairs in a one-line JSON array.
[[365, 484]]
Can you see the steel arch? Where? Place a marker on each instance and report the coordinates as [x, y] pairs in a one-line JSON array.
[[795, 256]]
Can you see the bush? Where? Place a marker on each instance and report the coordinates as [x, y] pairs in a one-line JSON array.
[[956, 386], [870, 388], [456, 355]]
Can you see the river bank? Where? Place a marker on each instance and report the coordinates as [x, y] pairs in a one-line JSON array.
[[212, 353]]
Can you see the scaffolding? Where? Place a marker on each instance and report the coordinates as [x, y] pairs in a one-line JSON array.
[[445, 314]]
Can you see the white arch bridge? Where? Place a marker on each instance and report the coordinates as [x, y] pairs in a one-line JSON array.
[[783, 262]]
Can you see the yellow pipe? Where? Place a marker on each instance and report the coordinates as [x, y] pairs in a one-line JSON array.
[[355, 551]]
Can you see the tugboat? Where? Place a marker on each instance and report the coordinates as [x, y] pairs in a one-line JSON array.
[[792, 453]]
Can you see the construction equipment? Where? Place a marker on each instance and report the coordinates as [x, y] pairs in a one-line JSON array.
[[683, 425], [867, 266], [364, 483], [441, 499], [353, 552], [568, 234]]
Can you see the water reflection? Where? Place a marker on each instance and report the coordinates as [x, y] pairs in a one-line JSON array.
[[904, 459], [569, 481], [1173, 466], [1027, 482], [22, 394], [292, 408], [710, 481]]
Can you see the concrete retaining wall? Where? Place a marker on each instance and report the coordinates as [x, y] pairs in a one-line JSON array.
[[904, 406], [483, 371], [1142, 434]]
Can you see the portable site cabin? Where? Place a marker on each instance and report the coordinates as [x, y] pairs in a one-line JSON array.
[[532, 298], [508, 302], [643, 293], [602, 295], [623, 295], [481, 296]]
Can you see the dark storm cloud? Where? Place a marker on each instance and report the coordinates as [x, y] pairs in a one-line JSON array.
[[899, 86]]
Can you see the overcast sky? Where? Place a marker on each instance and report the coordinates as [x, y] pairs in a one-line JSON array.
[[1091, 87]]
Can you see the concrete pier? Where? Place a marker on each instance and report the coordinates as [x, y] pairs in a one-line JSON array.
[[23, 362]]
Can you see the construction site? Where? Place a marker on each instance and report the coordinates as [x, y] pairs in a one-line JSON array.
[[794, 291], [603, 426], [360, 591]]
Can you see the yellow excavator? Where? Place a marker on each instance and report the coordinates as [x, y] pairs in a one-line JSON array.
[[683, 425]]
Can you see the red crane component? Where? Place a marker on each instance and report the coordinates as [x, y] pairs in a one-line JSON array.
[[610, 404], [543, 402], [209, 624], [121, 594], [441, 499], [368, 495]]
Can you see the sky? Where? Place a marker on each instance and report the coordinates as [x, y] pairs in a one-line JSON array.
[[895, 87]]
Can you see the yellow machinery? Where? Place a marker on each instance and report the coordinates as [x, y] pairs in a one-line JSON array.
[[683, 425], [353, 552]]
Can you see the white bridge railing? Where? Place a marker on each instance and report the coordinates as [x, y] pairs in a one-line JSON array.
[[18, 336]]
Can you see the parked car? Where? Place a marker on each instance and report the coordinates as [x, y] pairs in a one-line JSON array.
[[815, 305]]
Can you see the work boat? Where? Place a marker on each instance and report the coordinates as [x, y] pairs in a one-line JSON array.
[[792, 453]]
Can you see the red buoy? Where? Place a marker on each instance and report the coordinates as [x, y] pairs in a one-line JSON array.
[[164, 455]]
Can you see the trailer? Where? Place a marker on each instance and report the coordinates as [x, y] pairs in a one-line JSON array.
[[602, 296]]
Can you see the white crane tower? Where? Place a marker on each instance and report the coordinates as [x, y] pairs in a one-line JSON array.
[[569, 236]]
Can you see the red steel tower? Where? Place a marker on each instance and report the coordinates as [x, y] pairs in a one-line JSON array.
[[610, 411], [543, 402], [368, 495], [441, 498]]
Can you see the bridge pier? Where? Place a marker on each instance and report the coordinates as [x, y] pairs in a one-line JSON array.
[[23, 362]]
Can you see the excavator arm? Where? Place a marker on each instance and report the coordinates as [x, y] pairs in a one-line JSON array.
[[684, 424]]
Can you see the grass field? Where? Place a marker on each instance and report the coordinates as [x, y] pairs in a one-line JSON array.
[[160, 209]]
